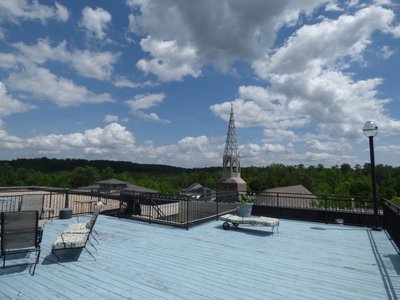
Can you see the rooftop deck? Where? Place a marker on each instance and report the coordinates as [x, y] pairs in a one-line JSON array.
[[148, 261]]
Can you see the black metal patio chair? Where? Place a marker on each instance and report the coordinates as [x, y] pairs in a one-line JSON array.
[[35, 202], [20, 234]]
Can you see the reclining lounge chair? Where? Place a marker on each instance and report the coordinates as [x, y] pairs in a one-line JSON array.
[[77, 235]]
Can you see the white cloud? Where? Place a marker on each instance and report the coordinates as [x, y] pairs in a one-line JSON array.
[[171, 62], [383, 2], [116, 142], [339, 146], [2, 34], [123, 82], [326, 44], [10, 142], [41, 52], [111, 118], [9, 106], [210, 32], [61, 91], [146, 101], [254, 150], [196, 149], [95, 21], [132, 27], [308, 84], [310, 92], [386, 52], [8, 61], [260, 109], [279, 134], [98, 65], [135, 3], [396, 31], [392, 149], [333, 6], [113, 137], [31, 10], [62, 12]]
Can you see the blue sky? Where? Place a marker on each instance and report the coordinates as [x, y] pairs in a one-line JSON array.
[[152, 81]]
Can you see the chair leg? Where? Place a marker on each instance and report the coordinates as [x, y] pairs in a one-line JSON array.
[[38, 255], [32, 272], [95, 239], [92, 244], [90, 253], [94, 230]]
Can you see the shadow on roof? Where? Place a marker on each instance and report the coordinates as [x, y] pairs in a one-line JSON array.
[[248, 230], [65, 255]]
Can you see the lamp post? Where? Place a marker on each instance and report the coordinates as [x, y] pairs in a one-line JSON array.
[[370, 130]]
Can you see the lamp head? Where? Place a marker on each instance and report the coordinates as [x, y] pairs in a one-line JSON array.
[[370, 129]]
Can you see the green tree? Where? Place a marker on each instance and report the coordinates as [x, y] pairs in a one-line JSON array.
[[83, 176], [107, 173]]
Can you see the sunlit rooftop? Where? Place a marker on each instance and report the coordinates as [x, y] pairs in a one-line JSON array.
[[137, 260]]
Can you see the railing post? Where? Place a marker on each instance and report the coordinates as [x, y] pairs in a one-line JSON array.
[[326, 209], [187, 214], [66, 204], [150, 204], [216, 201]]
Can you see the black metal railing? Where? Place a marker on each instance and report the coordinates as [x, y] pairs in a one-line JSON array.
[[55, 199], [360, 204], [354, 210], [184, 211], [10, 202], [391, 221], [175, 210]]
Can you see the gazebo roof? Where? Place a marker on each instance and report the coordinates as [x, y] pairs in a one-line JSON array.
[[112, 181]]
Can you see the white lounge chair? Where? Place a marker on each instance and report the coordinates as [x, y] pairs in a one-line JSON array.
[[253, 220], [77, 235]]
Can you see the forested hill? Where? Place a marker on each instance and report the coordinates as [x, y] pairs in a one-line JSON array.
[[72, 173], [48, 165]]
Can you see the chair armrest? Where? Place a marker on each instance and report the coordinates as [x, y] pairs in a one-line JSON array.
[[48, 210]]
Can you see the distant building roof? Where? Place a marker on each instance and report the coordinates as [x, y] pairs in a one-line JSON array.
[[138, 189], [112, 181], [197, 190], [292, 189], [115, 185]]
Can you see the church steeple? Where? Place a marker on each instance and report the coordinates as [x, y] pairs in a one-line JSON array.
[[231, 159], [231, 180]]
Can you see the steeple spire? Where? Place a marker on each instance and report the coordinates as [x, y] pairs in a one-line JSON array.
[[231, 159], [231, 144]]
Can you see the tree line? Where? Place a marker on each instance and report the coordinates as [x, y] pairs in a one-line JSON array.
[[74, 173]]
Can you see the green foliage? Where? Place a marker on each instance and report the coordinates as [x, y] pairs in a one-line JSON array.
[[245, 198], [70, 173], [84, 176], [396, 200]]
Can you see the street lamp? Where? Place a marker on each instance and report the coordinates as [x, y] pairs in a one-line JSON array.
[[370, 129]]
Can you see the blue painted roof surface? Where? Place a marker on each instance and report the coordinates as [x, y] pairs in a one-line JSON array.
[[137, 260]]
